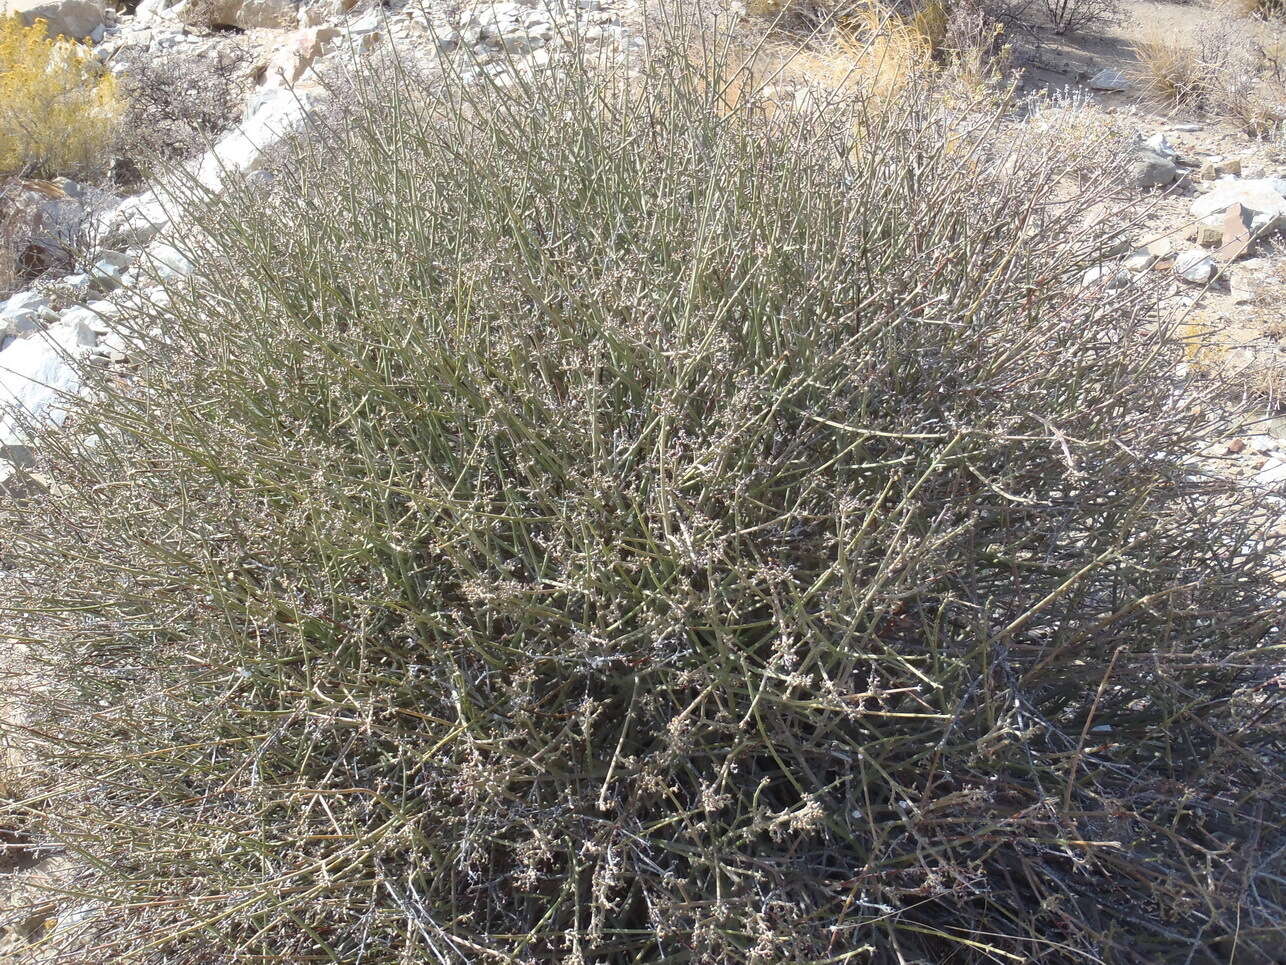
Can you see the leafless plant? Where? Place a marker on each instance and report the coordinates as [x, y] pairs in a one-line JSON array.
[[1073, 16], [179, 103], [589, 520]]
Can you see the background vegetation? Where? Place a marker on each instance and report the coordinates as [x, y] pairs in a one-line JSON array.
[[58, 107]]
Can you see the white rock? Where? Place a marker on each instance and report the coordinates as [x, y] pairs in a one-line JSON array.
[[1195, 267], [1273, 475], [296, 54], [74, 331], [1261, 196], [271, 116], [1161, 145], [1104, 276], [1262, 224], [23, 313], [315, 12], [166, 263], [151, 9], [1139, 260], [95, 316], [77, 19], [1262, 443], [249, 14], [1109, 80], [35, 382], [135, 221]]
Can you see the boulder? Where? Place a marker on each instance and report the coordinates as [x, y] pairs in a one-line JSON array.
[[165, 262], [296, 54], [272, 115], [314, 12], [248, 14], [77, 19], [1260, 196], [1152, 169], [24, 313], [36, 380]]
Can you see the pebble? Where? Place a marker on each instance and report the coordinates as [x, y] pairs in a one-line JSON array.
[[1195, 267]]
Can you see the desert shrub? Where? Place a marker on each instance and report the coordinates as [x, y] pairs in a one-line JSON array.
[[58, 107], [178, 104], [1243, 84], [1215, 71], [12, 232], [1072, 16], [583, 520]]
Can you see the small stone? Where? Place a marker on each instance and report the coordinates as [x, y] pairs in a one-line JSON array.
[[1236, 236], [1242, 294], [1162, 247], [1160, 145], [1104, 276], [1153, 170], [1109, 79], [1237, 446], [1208, 236], [1195, 267], [1229, 166], [1139, 260]]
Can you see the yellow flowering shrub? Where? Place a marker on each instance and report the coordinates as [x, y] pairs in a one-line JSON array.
[[58, 106]]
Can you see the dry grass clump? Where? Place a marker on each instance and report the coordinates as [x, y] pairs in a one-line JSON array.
[[58, 107], [1218, 71], [586, 521], [1172, 69], [880, 46], [1258, 8]]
